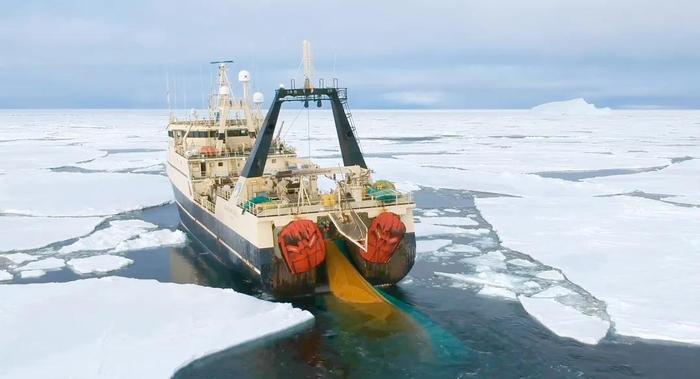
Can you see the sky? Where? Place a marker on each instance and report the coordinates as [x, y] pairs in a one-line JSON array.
[[435, 54]]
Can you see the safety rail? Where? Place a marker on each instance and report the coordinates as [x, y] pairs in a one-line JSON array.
[[211, 207], [277, 208]]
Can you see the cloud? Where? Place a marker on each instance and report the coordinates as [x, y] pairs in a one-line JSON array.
[[443, 53]]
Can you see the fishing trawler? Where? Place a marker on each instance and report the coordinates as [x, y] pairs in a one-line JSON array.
[[257, 206]]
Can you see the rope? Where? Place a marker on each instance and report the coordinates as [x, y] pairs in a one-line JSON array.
[[292, 124], [308, 130]]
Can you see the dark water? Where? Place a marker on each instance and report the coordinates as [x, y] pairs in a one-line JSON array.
[[442, 332]]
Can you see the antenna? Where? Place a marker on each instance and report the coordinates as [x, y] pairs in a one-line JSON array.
[[221, 62], [308, 66], [167, 93]]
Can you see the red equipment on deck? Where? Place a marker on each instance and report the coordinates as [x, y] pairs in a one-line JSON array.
[[384, 236], [302, 245]]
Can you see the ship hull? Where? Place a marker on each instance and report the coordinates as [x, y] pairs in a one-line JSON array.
[[266, 267]]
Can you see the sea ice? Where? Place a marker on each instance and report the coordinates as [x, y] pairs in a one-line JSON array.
[[19, 258], [449, 221], [37, 154], [5, 276], [156, 238], [127, 328], [110, 237], [24, 233], [680, 179], [429, 246], [554, 291], [426, 230], [499, 292], [521, 262], [465, 249], [486, 278], [45, 193], [637, 255], [550, 275], [565, 321], [98, 264], [47, 264], [125, 161], [493, 260], [31, 274]]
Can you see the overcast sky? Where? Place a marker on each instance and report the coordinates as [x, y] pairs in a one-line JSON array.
[[392, 54]]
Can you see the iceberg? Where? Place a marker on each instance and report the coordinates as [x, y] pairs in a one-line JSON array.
[[565, 321], [573, 107], [24, 233], [127, 328]]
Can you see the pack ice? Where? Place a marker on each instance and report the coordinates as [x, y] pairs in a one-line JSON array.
[[127, 328]]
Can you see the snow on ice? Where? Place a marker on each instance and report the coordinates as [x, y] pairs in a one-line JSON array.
[[45, 193], [90, 328], [24, 233]]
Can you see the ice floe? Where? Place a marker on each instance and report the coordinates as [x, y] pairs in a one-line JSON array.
[[521, 262], [682, 180], [19, 258], [45, 193], [637, 255], [24, 233], [108, 238], [426, 230], [449, 221], [565, 321], [500, 292], [156, 238], [487, 278], [5, 276], [127, 328], [554, 291], [550, 275], [31, 274], [429, 246], [46, 264], [98, 264], [493, 260]]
